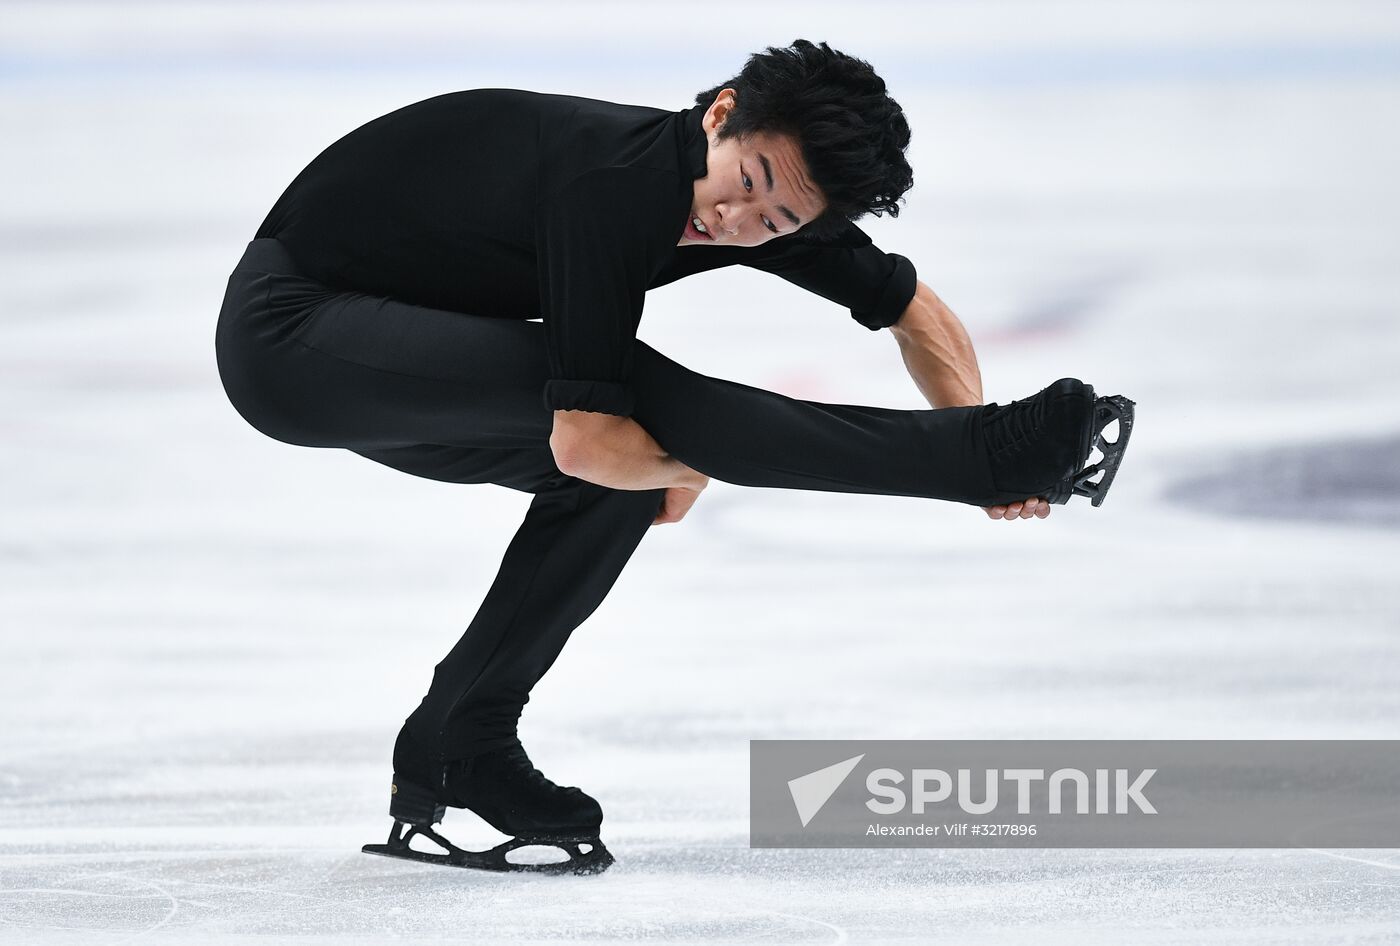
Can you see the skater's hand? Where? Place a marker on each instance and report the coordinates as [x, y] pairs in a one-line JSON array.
[[1035, 506], [677, 503]]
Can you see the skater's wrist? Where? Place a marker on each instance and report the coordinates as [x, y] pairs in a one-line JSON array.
[[686, 477]]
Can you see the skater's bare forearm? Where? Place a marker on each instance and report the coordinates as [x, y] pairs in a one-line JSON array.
[[937, 352], [616, 452], [940, 359]]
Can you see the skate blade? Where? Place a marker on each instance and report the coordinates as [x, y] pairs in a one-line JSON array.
[[1106, 411], [587, 855]]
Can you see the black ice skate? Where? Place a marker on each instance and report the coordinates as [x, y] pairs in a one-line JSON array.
[[511, 795], [1041, 445]]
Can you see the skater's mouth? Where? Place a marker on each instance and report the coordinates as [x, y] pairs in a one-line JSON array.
[[693, 229]]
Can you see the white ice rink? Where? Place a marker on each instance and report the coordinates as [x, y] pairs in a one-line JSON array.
[[209, 639]]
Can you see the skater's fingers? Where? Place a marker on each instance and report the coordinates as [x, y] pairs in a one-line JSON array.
[[1033, 508]]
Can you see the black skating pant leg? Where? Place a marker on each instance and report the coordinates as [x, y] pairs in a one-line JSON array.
[[457, 397], [563, 560]]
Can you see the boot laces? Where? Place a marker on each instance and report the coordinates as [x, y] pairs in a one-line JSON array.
[[1016, 423], [515, 755]]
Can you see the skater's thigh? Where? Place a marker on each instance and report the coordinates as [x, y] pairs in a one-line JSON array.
[[476, 351], [345, 369], [488, 372]]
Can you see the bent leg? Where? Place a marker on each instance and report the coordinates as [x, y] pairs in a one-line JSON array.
[[565, 557], [318, 368]]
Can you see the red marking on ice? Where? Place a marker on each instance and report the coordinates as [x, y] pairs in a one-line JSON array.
[[809, 385]]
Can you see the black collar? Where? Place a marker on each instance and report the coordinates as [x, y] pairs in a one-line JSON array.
[[695, 146]]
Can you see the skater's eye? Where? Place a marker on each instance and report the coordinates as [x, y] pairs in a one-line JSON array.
[[748, 186]]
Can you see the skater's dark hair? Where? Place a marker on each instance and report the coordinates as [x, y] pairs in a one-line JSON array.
[[852, 134]]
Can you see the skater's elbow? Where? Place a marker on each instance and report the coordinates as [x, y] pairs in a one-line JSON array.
[[582, 441], [577, 463], [569, 454]]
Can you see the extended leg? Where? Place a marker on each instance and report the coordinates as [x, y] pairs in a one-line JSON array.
[[751, 437]]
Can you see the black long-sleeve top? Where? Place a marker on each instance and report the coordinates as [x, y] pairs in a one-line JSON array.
[[524, 205]]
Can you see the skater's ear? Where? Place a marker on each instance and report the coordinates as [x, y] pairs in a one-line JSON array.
[[718, 111]]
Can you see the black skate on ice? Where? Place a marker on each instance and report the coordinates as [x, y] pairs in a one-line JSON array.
[[510, 794], [1041, 445]]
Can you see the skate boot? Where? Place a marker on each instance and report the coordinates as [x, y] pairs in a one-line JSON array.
[[507, 792], [1041, 445], [512, 796]]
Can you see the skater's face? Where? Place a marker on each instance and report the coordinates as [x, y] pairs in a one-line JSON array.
[[754, 189]]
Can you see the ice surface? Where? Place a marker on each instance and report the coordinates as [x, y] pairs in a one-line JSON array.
[[209, 638]]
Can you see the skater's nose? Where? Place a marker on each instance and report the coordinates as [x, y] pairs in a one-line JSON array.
[[727, 219]]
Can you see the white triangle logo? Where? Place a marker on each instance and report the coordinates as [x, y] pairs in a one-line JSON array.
[[810, 792]]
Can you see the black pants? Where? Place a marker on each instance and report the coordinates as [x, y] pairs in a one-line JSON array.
[[457, 397]]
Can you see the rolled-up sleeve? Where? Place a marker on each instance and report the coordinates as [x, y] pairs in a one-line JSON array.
[[876, 286], [597, 239]]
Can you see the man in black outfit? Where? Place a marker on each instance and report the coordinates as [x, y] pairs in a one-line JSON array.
[[385, 307]]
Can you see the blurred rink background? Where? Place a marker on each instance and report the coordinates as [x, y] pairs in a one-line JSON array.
[[211, 638]]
